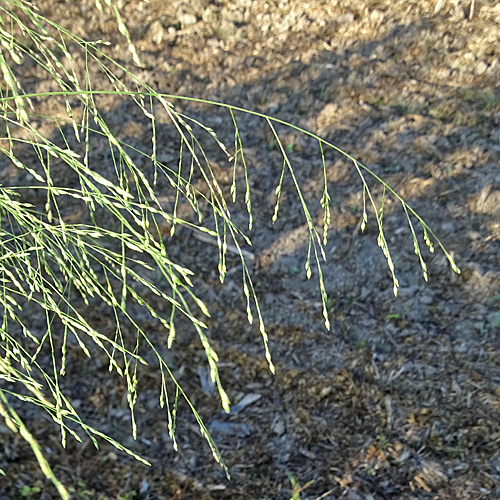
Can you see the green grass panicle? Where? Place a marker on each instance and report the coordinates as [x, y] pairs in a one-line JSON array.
[[109, 255]]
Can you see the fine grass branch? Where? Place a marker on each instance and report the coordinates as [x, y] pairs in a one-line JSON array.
[[115, 253]]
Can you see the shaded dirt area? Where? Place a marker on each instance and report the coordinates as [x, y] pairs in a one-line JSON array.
[[401, 399]]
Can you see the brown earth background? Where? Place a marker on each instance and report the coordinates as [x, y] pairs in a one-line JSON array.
[[401, 399]]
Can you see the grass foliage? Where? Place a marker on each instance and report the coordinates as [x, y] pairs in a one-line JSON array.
[[46, 260]]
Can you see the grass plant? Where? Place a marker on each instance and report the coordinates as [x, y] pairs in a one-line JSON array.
[[48, 261]]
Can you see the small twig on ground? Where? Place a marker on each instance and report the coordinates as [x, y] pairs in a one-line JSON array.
[[210, 240]]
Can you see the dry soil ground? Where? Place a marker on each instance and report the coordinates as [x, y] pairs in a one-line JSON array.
[[401, 400]]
